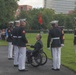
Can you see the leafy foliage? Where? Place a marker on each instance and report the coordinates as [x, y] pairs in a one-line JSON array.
[[7, 10], [66, 20], [32, 18]]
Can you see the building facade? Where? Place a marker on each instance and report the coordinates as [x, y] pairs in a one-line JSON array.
[[60, 6], [22, 8]]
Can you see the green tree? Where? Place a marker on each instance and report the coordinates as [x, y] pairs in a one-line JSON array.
[[48, 15], [7, 10], [60, 18], [32, 18], [66, 20]]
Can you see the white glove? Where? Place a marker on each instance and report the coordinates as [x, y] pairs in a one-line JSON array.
[[62, 45], [6, 37], [49, 48]]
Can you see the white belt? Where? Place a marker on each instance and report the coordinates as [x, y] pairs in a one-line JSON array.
[[55, 38], [14, 36], [17, 36], [74, 35]]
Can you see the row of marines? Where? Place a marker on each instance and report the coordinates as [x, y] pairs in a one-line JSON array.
[[17, 40]]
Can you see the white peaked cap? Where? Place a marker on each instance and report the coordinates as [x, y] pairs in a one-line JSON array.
[[17, 21], [22, 19], [11, 22], [54, 22]]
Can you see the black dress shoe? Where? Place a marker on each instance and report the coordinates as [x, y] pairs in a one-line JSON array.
[[57, 69], [10, 58], [23, 70], [53, 69], [15, 65]]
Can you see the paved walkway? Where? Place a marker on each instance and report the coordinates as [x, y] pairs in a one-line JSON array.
[[6, 67]]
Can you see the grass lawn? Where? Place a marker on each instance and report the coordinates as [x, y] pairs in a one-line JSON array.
[[3, 43], [68, 54]]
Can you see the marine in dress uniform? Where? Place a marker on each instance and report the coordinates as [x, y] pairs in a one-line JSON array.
[[9, 39], [62, 36], [75, 35], [15, 41], [75, 39], [55, 42], [22, 45]]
